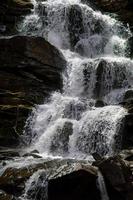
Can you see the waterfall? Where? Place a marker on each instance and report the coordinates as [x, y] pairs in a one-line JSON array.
[[73, 123]]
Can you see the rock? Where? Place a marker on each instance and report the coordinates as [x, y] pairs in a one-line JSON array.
[[117, 176], [11, 12], [109, 76], [123, 8], [4, 196], [8, 154], [60, 141], [34, 154], [29, 75], [77, 185], [99, 103], [129, 50], [127, 136], [75, 25], [128, 95], [65, 177], [127, 154], [111, 5]]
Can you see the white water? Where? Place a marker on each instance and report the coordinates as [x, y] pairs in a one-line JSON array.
[[94, 46]]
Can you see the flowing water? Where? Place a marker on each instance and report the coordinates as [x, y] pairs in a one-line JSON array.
[[86, 117]]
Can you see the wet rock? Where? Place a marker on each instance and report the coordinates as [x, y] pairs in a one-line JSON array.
[[107, 78], [128, 95], [4, 196], [34, 154], [75, 25], [118, 177], [123, 8], [127, 154], [77, 185], [65, 183], [11, 11], [31, 72], [129, 49], [8, 154], [65, 177], [112, 5], [60, 140], [127, 136], [99, 103]]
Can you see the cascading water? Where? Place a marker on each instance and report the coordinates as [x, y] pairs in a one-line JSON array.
[[73, 124]]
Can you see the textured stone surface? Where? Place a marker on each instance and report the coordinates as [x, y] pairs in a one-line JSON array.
[[31, 72], [11, 11]]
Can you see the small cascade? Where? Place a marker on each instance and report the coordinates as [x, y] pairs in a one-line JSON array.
[[102, 187], [86, 117], [36, 187]]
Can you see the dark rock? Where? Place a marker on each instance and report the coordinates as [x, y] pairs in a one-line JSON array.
[[127, 154], [115, 73], [31, 72], [96, 156], [5, 196], [77, 185], [75, 25], [11, 12], [8, 154], [123, 8], [34, 154], [127, 133], [128, 95], [60, 140], [117, 176], [111, 5], [99, 103], [65, 177], [129, 50]]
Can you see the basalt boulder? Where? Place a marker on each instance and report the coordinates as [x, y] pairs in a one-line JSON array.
[[30, 69]]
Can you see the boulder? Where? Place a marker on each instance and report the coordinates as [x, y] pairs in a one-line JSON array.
[[29, 75], [77, 185], [8, 153], [75, 25], [118, 177], [63, 179], [129, 49], [60, 141], [4, 196], [127, 136], [11, 11]]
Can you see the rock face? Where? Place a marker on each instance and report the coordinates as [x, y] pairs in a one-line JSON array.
[[75, 25], [118, 177], [31, 72], [4, 196], [11, 11], [127, 140]]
